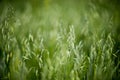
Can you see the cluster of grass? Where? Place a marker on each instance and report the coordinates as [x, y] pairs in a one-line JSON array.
[[58, 42]]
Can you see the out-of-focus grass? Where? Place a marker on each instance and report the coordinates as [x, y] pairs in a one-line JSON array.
[[58, 41]]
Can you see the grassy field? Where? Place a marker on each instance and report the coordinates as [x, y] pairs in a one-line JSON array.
[[59, 40]]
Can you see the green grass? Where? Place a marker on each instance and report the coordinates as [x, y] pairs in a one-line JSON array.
[[59, 41]]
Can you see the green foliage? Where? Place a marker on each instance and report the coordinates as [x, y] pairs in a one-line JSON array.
[[73, 42]]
